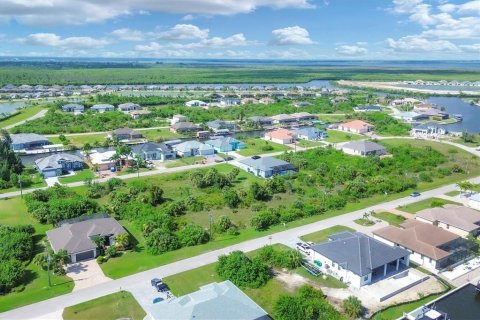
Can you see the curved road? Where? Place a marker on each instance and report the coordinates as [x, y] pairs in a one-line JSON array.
[[36, 116]]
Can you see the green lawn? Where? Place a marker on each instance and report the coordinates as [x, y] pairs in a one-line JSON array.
[[266, 296], [80, 140], [364, 222], [323, 235], [37, 180], [181, 162], [23, 114], [120, 305], [329, 282], [453, 193], [80, 175], [309, 144], [260, 146], [391, 218], [159, 135], [424, 204], [398, 311], [335, 136]]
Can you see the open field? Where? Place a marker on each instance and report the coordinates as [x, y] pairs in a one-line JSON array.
[[121, 305], [335, 136], [23, 114], [260, 146], [181, 162], [156, 74]]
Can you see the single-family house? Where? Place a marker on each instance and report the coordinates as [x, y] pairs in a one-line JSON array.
[[303, 116], [460, 220], [358, 259], [137, 114], [283, 119], [212, 301], [123, 134], [302, 104], [196, 103], [368, 108], [58, 164], [266, 100], [310, 134], [431, 247], [193, 148], [409, 116], [154, 151], [184, 127], [250, 100], [474, 201], [77, 237], [101, 108], [356, 126], [423, 106], [128, 107], [178, 118], [434, 113], [363, 148], [429, 129], [267, 167], [28, 141], [74, 108], [225, 144], [102, 161], [263, 121], [219, 125], [405, 102], [282, 136]]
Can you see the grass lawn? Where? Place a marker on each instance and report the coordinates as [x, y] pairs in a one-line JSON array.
[[23, 114], [80, 140], [424, 204], [323, 235], [160, 134], [38, 182], [331, 117], [364, 222], [391, 218], [398, 311], [266, 296], [309, 144], [181, 162], [260, 146], [120, 305], [453, 193], [335, 136], [131, 170], [330, 282], [80, 175]]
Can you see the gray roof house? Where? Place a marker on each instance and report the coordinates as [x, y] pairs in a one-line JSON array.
[[73, 107], [369, 108], [225, 144], [101, 108], [58, 164], [261, 120], [76, 237], [193, 148], [27, 141], [219, 125], [429, 129], [127, 107], [364, 148], [310, 134], [126, 134], [154, 151], [267, 167], [182, 127], [213, 301], [357, 258]]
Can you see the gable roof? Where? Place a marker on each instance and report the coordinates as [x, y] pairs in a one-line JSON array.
[[221, 142], [309, 131], [267, 163], [76, 237], [356, 124], [460, 217], [102, 106], [358, 252], [150, 147], [280, 117], [27, 138], [420, 237], [187, 146], [280, 134], [363, 146], [184, 125], [53, 160]]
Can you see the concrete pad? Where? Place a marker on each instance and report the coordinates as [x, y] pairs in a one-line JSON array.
[[86, 274], [51, 181]]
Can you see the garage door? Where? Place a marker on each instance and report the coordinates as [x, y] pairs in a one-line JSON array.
[[50, 174], [85, 255]]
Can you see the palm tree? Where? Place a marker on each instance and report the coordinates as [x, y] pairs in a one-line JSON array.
[[99, 242], [87, 148], [61, 257], [122, 241]]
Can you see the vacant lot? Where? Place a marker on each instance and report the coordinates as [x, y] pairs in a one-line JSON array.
[[260, 146], [323, 235], [425, 204]]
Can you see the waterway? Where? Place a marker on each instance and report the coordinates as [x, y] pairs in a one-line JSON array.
[[454, 105], [463, 304], [10, 107]]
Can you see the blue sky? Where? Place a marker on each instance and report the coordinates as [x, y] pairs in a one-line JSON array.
[[258, 29]]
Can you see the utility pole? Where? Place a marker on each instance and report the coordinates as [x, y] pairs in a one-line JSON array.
[[210, 219], [49, 258], [21, 187]]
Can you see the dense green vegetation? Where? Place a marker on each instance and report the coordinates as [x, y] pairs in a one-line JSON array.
[[384, 123], [120, 305], [157, 74]]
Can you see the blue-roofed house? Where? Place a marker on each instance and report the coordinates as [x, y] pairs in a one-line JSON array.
[[225, 144], [310, 134], [219, 125], [358, 259], [154, 151], [213, 301], [74, 108], [58, 164], [267, 167], [369, 108]]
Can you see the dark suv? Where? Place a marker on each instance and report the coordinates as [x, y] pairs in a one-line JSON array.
[[159, 285]]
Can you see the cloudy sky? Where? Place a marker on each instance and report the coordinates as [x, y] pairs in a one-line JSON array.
[[258, 29]]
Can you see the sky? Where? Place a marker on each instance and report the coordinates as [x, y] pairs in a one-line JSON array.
[[242, 29]]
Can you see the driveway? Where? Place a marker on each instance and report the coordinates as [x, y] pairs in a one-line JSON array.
[[51, 181], [86, 274]]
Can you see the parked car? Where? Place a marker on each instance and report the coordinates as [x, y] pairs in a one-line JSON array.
[[159, 285], [415, 194], [304, 248], [157, 300], [256, 157]]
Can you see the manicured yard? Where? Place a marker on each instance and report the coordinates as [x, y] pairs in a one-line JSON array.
[[309, 144], [23, 115], [80, 175], [323, 235], [453, 193], [260, 146], [335, 136], [364, 222], [391, 218], [120, 305], [424, 204], [181, 162]]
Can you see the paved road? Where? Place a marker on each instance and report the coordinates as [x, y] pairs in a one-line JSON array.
[[141, 281], [36, 116], [100, 132]]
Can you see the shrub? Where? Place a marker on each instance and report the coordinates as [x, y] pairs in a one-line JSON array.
[[11, 273], [192, 235], [264, 219], [111, 252], [352, 307], [259, 192], [100, 259], [425, 177], [242, 271], [160, 241]]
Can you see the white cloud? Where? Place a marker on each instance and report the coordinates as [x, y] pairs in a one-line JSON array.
[[475, 48], [405, 6], [352, 50], [184, 32], [49, 12], [152, 46], [291, 36], [53, 40], [128, 34], [188, 17], [419, 44], [235, 40]]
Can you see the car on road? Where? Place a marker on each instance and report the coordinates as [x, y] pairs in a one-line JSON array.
[[415, 194], [256, 157], [157, 300], [159, 285]]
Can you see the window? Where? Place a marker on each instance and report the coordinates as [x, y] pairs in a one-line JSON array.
[[365, 278]]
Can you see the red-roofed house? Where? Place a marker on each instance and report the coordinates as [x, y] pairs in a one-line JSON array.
[[282, 136], [356, 126]]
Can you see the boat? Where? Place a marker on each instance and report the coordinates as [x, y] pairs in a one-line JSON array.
[[459, 117]]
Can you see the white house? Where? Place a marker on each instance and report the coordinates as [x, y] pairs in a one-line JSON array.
[[196, 103], [363, 148], [193, 148]]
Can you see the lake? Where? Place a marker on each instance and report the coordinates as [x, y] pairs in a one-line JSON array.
[[10, 107], [453, 105]]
